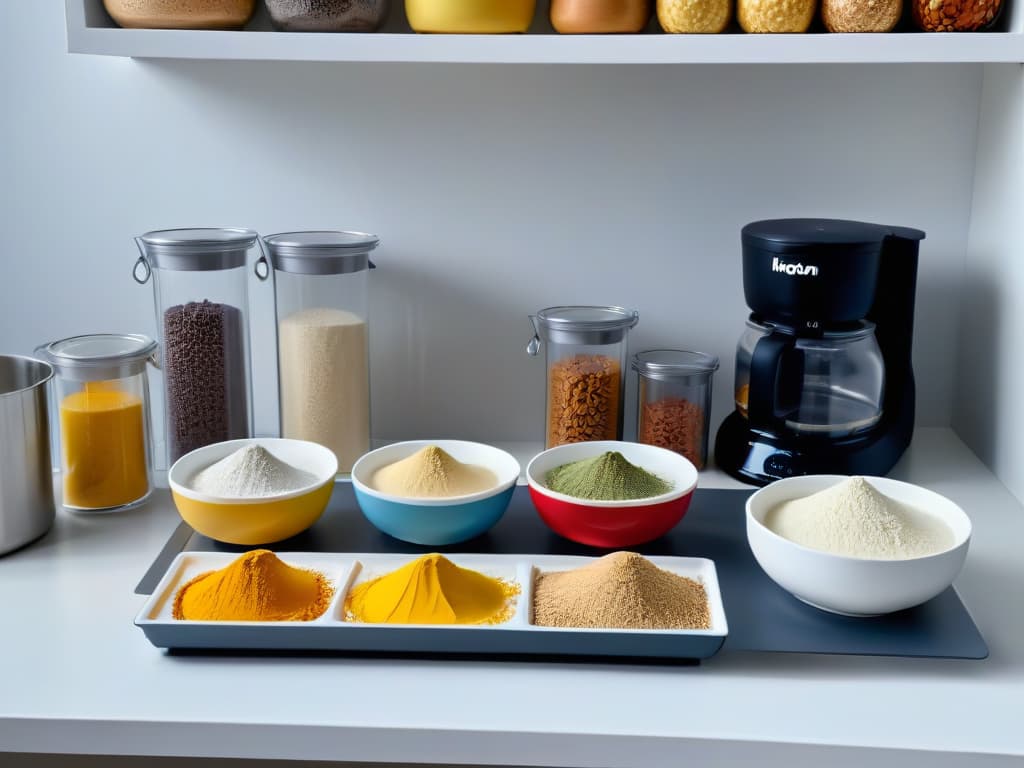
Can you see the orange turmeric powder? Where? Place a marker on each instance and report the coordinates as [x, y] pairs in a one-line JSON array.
[[257, 586], [432, 590]]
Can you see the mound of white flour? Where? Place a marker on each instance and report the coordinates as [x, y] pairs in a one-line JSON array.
[[250, 472], [855, 519]]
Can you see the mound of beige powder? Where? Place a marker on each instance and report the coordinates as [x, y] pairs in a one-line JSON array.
[[432, 472]]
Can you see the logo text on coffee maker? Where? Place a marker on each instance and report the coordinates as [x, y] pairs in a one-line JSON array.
[[794, 269]]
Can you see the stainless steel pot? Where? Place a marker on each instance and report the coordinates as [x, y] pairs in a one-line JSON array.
[[26, 476]]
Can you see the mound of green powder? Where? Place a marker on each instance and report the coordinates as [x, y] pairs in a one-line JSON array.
[[608, 477]]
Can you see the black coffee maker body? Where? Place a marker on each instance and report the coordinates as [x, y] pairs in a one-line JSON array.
[[824, 383]]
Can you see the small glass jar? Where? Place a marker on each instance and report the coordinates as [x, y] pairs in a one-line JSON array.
[[598, 17], [674, 401], [476, 17], [328, 15], [103, 409], [775, 16], [320, 288], [586, 367], [191, 14], [200, 289]]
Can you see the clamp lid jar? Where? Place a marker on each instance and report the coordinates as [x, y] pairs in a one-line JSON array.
[[321, 285], [201, 296], [103, 405], [585, 354]]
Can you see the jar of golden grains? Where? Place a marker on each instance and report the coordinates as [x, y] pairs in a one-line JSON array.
[[694, 16], [585, 352], [775, 16]]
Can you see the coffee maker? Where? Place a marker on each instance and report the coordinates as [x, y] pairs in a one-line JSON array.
[[824, 383]]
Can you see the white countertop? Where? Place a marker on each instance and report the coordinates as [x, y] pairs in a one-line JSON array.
[[76, 676]]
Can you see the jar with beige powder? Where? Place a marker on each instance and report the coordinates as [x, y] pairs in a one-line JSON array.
[[775, 16], [321, 292], [181, 14]]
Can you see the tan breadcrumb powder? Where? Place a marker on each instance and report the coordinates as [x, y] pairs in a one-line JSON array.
[[694, 16], [775, 15], [861, 15], [622, 590]]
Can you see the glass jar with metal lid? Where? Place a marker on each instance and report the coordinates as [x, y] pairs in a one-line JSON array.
[[103, 409], [322, 306], [200, 288], [674, 401], [586, 363]]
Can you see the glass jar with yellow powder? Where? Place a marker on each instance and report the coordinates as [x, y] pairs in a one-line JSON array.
[[102, 402]]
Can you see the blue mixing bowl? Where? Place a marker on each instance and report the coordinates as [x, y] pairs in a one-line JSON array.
[[436, 522]]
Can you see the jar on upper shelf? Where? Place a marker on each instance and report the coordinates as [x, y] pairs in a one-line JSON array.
[[955, 15], [861, 15], [694, 16], [597, 17], [479, 17], [181, 14], [328, 15], [775, 16]]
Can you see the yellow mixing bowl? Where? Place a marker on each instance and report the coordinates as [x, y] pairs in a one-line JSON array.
[[479, 17], [254, 521]]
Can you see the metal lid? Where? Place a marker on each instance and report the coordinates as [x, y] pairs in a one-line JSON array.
[[197, 250], [321, 253], [584, 324], [674, 363], [100, 356]]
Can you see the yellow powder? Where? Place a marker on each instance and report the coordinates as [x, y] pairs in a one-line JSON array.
[[104, 447], [432, 590], [432, 473], [257, 586]]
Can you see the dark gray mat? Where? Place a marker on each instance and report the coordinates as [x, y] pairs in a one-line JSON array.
[[762, 616]]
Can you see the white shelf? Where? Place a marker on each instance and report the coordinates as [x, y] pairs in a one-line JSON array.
[[91, 31]]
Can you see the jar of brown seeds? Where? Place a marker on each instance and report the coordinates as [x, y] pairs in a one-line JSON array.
[[585, 354], [955, 15]]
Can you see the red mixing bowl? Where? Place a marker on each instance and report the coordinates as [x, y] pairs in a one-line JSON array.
[[613, 524]]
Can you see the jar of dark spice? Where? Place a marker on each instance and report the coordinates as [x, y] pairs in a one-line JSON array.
[[955, 15], [201, 294], [674, 401], [586, 363], [328, 15]]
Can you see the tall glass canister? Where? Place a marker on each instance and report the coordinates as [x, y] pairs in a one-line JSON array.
[[200, 288], [321, 292], [103, 412], [586, 368]]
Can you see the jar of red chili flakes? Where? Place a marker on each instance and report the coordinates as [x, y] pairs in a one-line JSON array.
[[955, 15], [586, 370], [674, 401]]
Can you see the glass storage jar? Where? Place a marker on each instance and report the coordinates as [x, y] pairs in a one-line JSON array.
[[595, 17], [181, 14], [200, 288], [585, 353], [328, 15], [478, 17], [320, 289], [674, 401], [103, 412]]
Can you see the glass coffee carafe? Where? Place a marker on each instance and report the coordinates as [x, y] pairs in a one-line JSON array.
[[831, 384]]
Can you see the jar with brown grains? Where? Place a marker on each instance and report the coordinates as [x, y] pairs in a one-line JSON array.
[[674, 401], [585, 351], [955, 15]]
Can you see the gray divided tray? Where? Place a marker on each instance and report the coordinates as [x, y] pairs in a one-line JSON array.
[[518, 635], [762, 616]]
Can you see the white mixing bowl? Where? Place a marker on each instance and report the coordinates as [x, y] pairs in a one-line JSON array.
[[855, 586]]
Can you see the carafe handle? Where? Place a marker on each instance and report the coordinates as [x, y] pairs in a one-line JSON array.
[[765, 364]]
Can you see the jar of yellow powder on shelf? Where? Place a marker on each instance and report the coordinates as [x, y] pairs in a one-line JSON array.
[[478, 17], [102, 403]]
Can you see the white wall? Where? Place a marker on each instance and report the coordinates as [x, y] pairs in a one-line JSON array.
[[497, 190], [989, 412]]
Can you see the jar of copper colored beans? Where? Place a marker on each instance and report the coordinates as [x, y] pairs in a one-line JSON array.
[[585, 352], [955, 15], [674, 401]]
